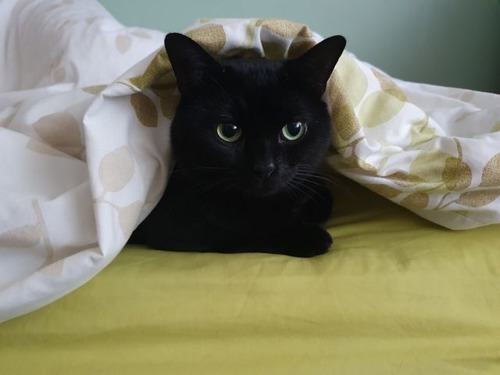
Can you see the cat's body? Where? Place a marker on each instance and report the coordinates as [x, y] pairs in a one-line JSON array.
[[249, 138]]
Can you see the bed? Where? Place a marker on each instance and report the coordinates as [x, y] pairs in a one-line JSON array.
[[397, 293]]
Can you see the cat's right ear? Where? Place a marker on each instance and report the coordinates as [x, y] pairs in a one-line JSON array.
[[313, 68], [190, 62]]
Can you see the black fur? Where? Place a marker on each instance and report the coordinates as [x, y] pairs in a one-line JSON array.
[[262, 192]]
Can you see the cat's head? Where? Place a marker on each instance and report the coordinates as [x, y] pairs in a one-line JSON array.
[[257, 126]]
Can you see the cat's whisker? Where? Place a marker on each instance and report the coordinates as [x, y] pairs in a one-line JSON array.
[[299, 186], [290, 187], [304, 183], [325, 174], [315, 171], [313, 177], [296, 190]]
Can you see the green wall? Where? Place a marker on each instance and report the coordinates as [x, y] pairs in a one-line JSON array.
[[444, 42]]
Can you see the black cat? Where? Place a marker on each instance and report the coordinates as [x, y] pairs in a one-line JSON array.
[[249, 138]]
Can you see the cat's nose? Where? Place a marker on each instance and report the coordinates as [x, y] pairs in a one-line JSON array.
[[264, 170]]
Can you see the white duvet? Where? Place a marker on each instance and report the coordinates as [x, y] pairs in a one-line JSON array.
[[85, 154]]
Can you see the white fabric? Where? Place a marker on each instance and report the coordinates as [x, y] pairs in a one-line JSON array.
[[74, 174]]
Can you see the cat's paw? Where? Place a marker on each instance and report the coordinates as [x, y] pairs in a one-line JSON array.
[[309, 241]]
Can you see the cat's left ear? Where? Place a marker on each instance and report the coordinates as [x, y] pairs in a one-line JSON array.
[[315, 66], [190, 62]]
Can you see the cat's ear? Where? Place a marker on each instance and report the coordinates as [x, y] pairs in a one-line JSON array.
[[190, 62], [313, 68]]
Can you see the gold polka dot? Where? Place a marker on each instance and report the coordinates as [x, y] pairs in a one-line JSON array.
[[404, 179], [389, 86], [169, 102], [159, 72], [456, 174], [145, 109], [382, 106], [491, 173], [353, 78], [478, 198], [94, 90], [428, 166], [345, 123], [211, 37], [417, 201], [379, 108], [285, 29], [384, 190], [299, 47]]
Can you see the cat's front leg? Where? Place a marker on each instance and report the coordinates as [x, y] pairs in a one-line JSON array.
[[301, 240], [308, 240]]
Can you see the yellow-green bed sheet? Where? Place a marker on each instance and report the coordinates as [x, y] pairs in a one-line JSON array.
[[395, 295]]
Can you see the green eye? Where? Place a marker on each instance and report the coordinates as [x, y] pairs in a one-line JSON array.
[[228, 132], [294, 131]]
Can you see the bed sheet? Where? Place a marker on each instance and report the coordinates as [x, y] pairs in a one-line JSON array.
[[396, 294]]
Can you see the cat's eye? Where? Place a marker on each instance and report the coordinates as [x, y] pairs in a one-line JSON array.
[[293, 131], [228, 132]]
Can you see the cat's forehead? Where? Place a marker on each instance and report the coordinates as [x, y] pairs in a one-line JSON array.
[[256, 91], [254, 73], [257, 86]]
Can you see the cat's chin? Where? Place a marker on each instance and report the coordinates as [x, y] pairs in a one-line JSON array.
[[262, 191]]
